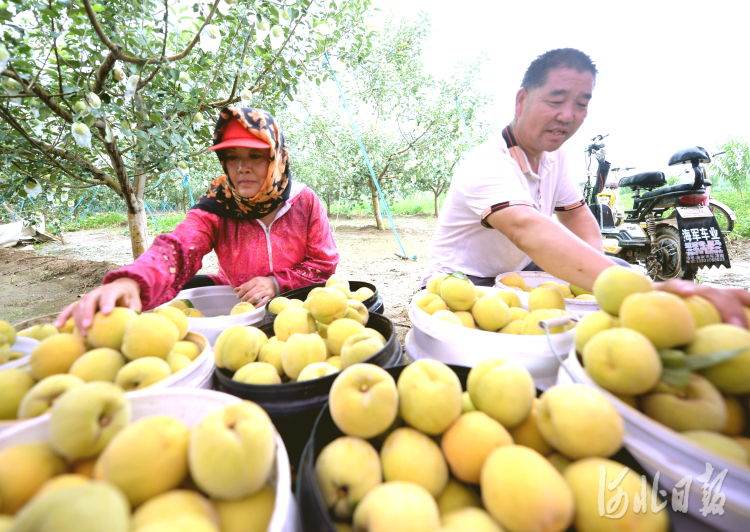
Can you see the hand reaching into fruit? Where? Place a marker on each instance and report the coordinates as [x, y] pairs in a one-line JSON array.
[[257, 291], [732, 303], [123, 292]]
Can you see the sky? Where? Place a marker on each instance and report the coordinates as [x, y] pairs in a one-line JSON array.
[[672, 74]]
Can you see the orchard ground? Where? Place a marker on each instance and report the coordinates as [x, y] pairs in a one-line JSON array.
[[44, 280]]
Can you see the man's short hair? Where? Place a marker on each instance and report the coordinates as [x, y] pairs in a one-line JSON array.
[[536, 74]]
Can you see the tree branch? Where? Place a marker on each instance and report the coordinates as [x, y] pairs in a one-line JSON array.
[[224, 103], [194, 154], [166, 29], [273, 62], [104, 69], [48, 150], [37, 178], [41, 94], [237, 75], [145, 82], [41, 68], [114, 155], [117, 50], [320, 126], [57, 61], [216, 75]]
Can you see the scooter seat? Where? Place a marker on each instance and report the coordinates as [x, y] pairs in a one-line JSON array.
[[684, 187], [644, 180], [694, 153]]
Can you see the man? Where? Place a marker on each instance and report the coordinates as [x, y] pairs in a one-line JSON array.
[[497, 216]]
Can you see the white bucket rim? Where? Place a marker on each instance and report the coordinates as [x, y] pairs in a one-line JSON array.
[[419, 316], [205, 354], [587, 305], [24, 345], [281, 514], [218, 323], [205, 358], [662, 433]]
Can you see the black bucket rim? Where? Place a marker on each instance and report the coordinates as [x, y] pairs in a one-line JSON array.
[[369, 302], [308, 450], [392, 343], [623, 456]]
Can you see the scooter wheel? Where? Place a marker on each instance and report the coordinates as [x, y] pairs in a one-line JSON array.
[[672, 262]]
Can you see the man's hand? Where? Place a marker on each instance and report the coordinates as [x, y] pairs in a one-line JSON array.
[[257, 291], [728, 301], [123, 292]]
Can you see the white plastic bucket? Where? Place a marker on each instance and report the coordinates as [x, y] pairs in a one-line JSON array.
[[660, 449], [415, 352], [534, 279], [39, 320], [215, 303], [25, 346], [198, 374], [189, 406], [454, 344]]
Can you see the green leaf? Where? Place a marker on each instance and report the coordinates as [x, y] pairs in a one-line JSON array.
[[677, 377], [97, 8], [672, 358], [698, 362], [460, 275]]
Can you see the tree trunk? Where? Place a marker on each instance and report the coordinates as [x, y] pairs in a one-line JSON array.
[[137, 214], [138, 225], [137, 218], [376, 206], [328, 205], [437, 211]]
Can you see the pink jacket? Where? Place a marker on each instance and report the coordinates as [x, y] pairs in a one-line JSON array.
[[297, 249]]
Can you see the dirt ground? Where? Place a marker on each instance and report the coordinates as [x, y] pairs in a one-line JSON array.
[[44, 280]]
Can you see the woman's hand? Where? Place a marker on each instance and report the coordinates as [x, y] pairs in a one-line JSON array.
[[257, 291], [728, 301], [123, 292]]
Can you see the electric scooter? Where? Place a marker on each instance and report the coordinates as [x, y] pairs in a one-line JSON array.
[[672, 246]]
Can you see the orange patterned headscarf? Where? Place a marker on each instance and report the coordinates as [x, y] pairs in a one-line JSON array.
[[222, 198]]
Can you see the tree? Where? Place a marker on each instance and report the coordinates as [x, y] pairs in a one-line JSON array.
[[313, 159], [733, 166], [120, 93], [401, 113]]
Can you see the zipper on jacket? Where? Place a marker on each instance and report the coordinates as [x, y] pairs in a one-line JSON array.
[[267, 231]]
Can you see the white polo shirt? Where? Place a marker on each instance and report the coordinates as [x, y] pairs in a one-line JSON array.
[[487, 180]]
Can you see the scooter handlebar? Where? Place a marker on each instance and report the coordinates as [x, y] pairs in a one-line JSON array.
[[596, 146]]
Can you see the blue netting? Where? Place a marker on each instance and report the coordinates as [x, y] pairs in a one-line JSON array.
[[367, 160]]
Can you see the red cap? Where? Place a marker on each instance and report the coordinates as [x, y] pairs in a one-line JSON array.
[[236, 136]]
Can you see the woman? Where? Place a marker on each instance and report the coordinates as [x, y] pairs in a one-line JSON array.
[[269, 233]]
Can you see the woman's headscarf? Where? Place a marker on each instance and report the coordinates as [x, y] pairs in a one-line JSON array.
[[222, 198]]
